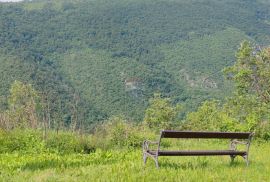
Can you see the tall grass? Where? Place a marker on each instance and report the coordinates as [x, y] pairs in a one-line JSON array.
[[127, 165]]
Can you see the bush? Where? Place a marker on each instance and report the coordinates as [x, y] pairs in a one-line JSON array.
[[263, 131], [161, 113], [67, 142], [117, 132], [23, 141], [29, 141], [206, 118]]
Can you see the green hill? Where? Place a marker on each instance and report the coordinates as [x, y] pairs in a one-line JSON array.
[[110, 56]]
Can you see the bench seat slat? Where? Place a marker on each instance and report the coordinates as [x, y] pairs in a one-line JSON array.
[[197, 152], [192, 134]]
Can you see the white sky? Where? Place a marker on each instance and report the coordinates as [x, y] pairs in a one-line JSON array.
[[10, 0]]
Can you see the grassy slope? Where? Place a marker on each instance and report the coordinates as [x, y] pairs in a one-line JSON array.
[[127, 166]]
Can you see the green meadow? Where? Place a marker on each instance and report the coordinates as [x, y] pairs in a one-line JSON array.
[[127, 165]]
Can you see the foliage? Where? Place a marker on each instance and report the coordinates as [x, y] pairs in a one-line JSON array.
[[29, 141], [213, 116], [23, 105], [248, 108], [236, 114], [23, 141], [207, 117], [67, 143], [119, 133], [160, 114], [251, 71], [90, 48]]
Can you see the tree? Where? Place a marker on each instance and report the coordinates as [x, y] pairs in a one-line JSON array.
[[212, 116], [205, 118], [250, 103], [251, 72], [248, 108], [160, 114], [23, 105]]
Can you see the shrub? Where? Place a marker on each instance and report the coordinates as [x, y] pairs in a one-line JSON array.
[[117, 132], [67, 142], [161, 113], [263, 130], [23, 141], [29, 141], [207, 117]]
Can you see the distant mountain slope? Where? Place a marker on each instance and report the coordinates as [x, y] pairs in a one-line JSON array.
[[201, 57], [105, 81], [114, 54]]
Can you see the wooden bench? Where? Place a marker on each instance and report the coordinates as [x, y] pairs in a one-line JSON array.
[[235, 138]]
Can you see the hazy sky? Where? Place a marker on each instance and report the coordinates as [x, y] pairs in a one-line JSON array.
[[10, 0]]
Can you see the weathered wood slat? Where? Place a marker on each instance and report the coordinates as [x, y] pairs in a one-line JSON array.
[[197, 152], [192, 134]]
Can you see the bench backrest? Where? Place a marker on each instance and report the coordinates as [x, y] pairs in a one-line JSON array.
[[194, 134]]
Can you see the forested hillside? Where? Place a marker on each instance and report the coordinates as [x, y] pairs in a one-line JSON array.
[[93, 59]]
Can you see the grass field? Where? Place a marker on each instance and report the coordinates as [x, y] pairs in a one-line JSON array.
[[126, 165]]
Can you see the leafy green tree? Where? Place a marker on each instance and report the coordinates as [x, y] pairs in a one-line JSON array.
[[233, 115], [161, 113], [251, 72], [23, 105], [248, 111], [250, 103], [248, 108], [207, 117]]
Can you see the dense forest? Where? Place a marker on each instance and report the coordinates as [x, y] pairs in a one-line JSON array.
[[90, 60]]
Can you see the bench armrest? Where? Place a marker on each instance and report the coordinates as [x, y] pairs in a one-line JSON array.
[[151, 142], [235, 142], [239, 142], [147, 143]]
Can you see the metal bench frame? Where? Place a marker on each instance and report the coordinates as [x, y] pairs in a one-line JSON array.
[[234, 136]]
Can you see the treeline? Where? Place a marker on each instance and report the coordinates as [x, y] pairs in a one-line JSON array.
[[246, 110]]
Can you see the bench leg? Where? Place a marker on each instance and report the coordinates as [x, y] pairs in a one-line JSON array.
[[144, 158], [156, 161], [154, 157], [232, 158], [246, 159]]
